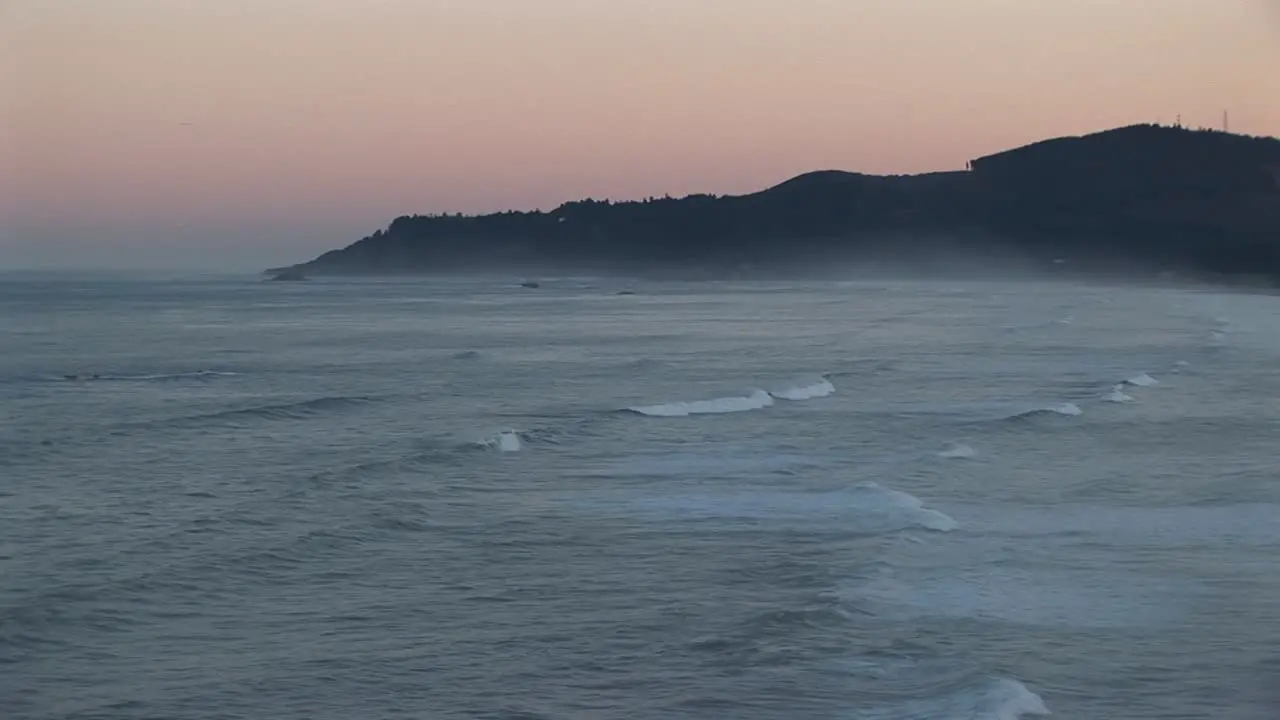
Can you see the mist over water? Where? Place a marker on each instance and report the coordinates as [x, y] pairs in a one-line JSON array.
[[461, 498]]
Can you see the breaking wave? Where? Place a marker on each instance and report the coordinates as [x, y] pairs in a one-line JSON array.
[[1142, 380], [822, 388], [755, 401], [996, 699], [505, 441], [1068, 409], [1117, 395]]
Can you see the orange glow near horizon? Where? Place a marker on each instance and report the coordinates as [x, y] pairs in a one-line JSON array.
[[324, 119]]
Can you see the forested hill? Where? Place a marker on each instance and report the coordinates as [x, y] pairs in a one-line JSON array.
[[1148, 197]]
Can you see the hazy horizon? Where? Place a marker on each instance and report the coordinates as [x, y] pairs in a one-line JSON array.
[[238, 135]]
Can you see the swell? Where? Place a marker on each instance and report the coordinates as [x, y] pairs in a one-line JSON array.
[[245, 416], [36, 448], [193, 571], [140, 377]]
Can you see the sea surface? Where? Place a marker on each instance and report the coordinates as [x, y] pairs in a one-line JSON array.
[[610, 498]]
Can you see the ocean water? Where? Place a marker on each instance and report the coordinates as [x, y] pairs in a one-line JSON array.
[[425, 498]]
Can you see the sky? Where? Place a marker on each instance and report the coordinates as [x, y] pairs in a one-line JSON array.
[[237, 134]]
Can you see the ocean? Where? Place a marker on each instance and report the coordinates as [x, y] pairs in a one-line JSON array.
[[618, 498]]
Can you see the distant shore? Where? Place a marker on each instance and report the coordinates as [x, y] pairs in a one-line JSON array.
[[1144, 200]]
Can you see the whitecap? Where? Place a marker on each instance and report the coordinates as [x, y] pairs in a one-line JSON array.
[[504, 441], [897, 504], [756, 400], [1142, 380], [822, 388], [1071, 409], [996, 699], [1117, 395], [959, 451]]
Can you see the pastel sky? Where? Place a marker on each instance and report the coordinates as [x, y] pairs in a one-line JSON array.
[[244, 133]]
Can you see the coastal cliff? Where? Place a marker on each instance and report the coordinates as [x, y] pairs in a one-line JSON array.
[[1146, 198]]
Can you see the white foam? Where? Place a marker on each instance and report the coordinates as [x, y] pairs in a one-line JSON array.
[[903, 506], [822, 388], [1012, 700], [1117, 395], [504, 441], [1142, 380], [959, 451], [996, 699], [756, 400], [1071, 409]]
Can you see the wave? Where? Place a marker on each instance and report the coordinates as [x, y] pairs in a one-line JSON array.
[[756, 400], [729, 462], [958, 451], [1142, 380], [995, 699], [1068, 409], [863, 509], [1117, 395], [283, 411], [449, 450], [905, 506], [505, 441], [822, 388], [951, 586], [97, 377]]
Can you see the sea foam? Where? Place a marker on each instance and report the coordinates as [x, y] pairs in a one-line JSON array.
[[504, 441], [1070, 409], [1117, 395], [996, 699], [754, 401], [1142, 380], [822, 388]]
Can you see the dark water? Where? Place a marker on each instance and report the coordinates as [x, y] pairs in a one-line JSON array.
[[221, 498]]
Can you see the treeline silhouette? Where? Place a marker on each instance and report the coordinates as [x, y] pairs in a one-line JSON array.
[[1148, 197]]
